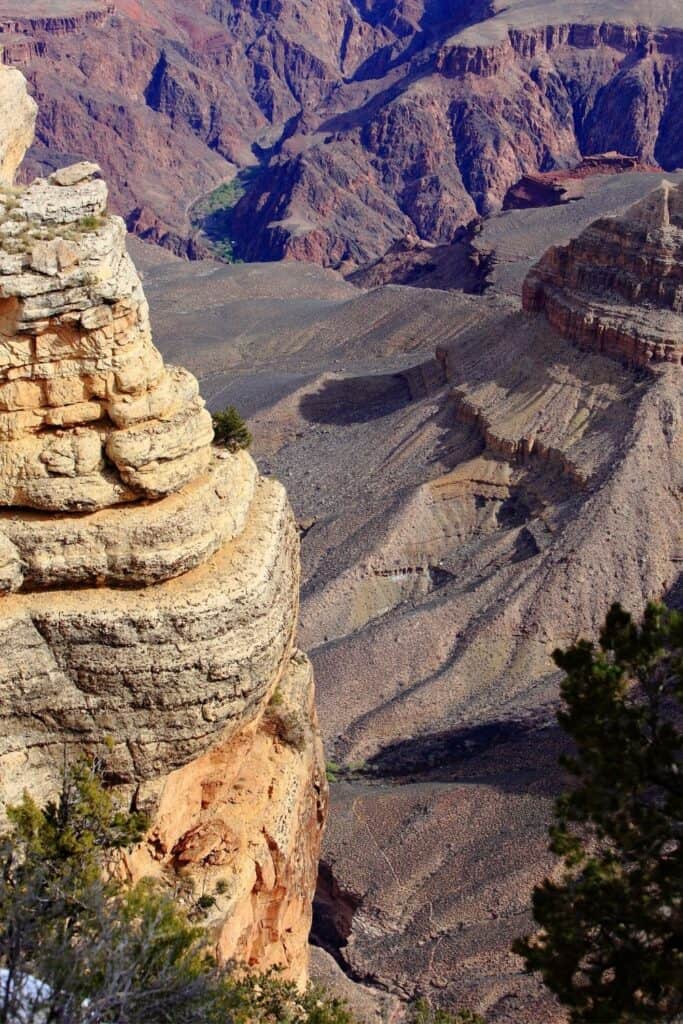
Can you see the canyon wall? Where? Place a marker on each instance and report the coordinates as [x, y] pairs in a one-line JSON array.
[[359, 124], [149, 579]]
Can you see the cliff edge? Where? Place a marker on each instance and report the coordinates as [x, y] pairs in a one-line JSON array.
[[149, 580]]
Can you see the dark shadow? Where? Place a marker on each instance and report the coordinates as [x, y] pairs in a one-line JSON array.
[[505, 751], [346, 400], [674, 595], [333, 911]]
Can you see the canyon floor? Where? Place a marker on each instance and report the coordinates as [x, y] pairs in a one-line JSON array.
[[441, 567]]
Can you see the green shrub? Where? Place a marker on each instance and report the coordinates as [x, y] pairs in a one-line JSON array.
[[422, 1012], [78, 945], [90, 223], [287, 724], [231, 430], [277, 699]]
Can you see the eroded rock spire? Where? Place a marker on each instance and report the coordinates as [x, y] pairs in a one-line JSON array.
[[618, 287], [149, 581]]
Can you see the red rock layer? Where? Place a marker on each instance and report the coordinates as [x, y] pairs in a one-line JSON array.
[[374, 121]]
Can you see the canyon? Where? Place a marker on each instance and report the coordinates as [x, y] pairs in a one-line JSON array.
[[150, 579], [478, 466], [347, 126], [475, 484]]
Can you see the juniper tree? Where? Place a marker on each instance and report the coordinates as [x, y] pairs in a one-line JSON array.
[[610, 943], [231, 430], [79, 946]]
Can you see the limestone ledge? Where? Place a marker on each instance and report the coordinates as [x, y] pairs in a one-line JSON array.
[[164, 670], [249, 814], [129, 545], [621, 332]]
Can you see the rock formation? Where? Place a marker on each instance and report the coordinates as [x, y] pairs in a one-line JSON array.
[[150, 580], [18, 109], [618, 287]]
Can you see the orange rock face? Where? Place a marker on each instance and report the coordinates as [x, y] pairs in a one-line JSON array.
[[245, 821]]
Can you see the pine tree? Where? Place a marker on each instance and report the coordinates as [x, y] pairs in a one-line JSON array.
[[231, 430], [610, 943], [79, 946]]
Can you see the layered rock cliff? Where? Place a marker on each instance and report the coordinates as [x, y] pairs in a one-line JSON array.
[[373, 121], [149, 579], [618, 287]]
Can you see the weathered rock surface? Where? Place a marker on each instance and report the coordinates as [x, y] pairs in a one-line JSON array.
[[89, 415], [18, 110], [163, 671], [618, 287], [136, 544], [243, 815], [149, 580]]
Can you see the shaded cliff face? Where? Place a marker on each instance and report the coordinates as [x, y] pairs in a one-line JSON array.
[[371, 121], [149, 582]]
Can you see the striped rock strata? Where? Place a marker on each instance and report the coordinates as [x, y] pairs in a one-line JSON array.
[[618, 287], [149, 581]]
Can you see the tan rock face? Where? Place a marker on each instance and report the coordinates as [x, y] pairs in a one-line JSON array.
[[618, 287], [242, 815], [89, 415], [18, 117], [149, 582], [164, 672]]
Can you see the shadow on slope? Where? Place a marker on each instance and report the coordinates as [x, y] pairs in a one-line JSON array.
[[355, 399], [512, 745]]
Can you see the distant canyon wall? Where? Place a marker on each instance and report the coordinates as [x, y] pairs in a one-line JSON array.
[[369, 124]]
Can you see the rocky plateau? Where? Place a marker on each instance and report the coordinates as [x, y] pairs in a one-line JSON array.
[[150, 580]]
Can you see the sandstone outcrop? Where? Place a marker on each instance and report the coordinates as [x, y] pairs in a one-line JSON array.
[[149, 581], [618, 287], [18, 109]]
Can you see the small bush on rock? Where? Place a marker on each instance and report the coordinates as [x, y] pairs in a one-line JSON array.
[[231, 430], [422, 1012]]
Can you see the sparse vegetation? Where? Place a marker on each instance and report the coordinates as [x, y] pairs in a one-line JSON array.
[[610, 944], [212, 215], [333, 771], [287, 724], [231, 430], [422, 1012], [89, 223], [79, 946]]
